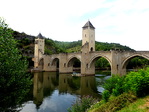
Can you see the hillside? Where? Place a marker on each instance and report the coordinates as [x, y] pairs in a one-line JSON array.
[[75, 46], [26, 45]]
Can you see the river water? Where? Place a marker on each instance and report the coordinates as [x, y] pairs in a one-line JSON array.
[[53, 92]]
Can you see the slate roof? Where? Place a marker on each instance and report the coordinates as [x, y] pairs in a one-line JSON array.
[[40, 36], [88, 24]]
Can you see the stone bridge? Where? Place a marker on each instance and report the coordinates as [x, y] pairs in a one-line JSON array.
[[118, 59]]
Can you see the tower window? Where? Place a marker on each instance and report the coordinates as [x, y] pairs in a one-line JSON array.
[[91, 48]]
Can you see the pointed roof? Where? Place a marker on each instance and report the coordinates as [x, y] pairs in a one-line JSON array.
[[88, 24], [40, 36]]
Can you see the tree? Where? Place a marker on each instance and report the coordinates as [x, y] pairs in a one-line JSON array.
[[14, 82]]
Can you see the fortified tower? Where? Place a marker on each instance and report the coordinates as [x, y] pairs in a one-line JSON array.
[[39, 49], [88, 36], [88, 45]]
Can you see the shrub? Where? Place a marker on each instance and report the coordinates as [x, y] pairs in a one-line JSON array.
[[106, 95], [113, 86], [81, 105], [138, 82], [117, 103]]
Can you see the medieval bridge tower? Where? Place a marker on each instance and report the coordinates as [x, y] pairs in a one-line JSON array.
[[88, 35], [117, 59]]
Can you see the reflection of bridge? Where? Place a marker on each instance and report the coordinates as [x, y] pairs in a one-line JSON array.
[[45, 83], [118, 59]]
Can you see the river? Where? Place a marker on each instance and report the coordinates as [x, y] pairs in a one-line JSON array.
[[54, 92]]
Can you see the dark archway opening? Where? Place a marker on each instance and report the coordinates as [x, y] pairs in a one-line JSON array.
[[56, 63], [135, 63], [75, 63], [41, 64]]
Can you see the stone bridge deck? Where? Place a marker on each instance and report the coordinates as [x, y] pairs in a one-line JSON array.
[[118, 61]]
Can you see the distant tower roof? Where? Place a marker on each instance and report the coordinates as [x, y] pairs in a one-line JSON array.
[[40, 36], [88, 24]]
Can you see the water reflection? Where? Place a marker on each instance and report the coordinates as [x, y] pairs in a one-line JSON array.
[[44, 84], [53, 92]]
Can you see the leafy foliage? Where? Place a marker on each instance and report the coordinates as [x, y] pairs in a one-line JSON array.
[[113, 86], [135, 82], [115, 104], [138, 82], [138, 62], [75, 46], [101, 46], [102, 63], [81, 105], [14, 82], [51, 47]]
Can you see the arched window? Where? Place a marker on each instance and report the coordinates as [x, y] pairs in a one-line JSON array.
[[64, 64], [91, 48]]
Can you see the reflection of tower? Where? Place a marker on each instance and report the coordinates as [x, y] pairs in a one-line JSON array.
[[88, 36], [38, 88], [39, 50]]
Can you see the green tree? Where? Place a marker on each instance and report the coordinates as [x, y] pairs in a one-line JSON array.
[[14, 82]]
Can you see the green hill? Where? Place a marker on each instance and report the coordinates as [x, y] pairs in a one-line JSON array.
[[75, 46], [26, 45]]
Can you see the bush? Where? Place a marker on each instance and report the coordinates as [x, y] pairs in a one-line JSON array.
[[138, 82], [117, 103], [135, 82], [106, 95], [113, 86], [81, 105]]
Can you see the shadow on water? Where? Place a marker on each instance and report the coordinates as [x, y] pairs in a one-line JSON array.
[[53, 92]]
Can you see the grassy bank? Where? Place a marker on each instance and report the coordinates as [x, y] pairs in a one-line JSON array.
[[141, 105], [123, 103]]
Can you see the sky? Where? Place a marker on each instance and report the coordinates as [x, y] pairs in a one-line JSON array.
[[116, 21]]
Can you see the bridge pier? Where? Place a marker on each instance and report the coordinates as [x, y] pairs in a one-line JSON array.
[[116, 63], [86, 57], [63, 65], [117, 66]]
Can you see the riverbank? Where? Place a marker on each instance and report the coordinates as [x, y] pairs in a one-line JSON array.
[[123, 103], [129, 93], [122, 91]]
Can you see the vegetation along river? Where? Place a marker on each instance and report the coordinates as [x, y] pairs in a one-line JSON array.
[[54, 92]]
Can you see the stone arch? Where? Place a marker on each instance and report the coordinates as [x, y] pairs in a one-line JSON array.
[[92, 61], [125, 61], [41, 63], [55, 62], [71, 60]]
